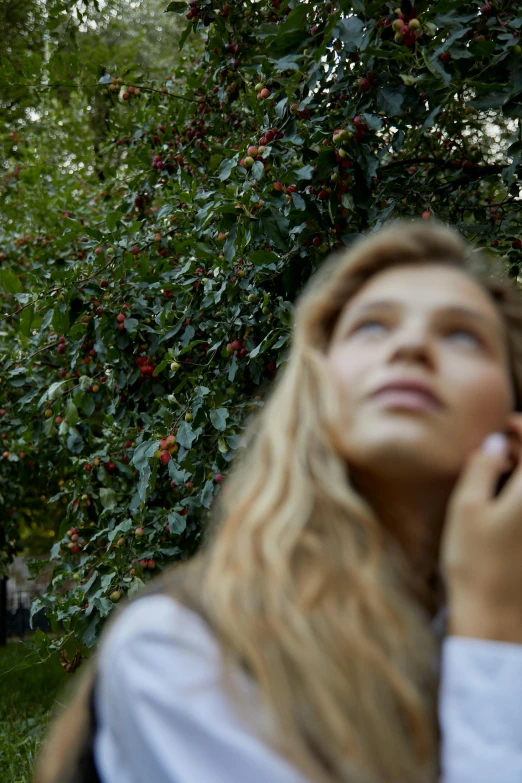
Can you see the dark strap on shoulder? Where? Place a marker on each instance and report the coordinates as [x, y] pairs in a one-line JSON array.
[[86, 771]]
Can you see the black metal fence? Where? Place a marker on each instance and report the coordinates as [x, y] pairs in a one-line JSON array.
[[19, 603]]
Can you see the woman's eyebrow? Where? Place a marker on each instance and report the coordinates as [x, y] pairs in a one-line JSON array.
[[459, 310]]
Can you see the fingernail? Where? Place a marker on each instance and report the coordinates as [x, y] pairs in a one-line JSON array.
[[495, 444]]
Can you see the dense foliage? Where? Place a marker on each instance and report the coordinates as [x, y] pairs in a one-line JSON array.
[[149, 266]]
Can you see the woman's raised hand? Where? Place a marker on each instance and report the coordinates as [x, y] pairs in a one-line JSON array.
[[481, 548]]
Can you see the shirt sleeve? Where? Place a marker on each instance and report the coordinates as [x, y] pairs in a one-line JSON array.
[[480, 711], [162, 710]]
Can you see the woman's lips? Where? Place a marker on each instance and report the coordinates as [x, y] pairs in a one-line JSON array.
[[409, 399]]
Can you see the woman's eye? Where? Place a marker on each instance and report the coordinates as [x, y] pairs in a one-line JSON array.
[[369, 325], [467, 335]]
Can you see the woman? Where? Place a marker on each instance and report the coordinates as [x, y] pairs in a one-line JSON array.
[[301, 643]]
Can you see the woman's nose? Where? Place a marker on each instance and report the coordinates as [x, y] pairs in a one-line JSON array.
[[413, 345]]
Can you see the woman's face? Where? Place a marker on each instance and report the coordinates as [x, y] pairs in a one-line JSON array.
[[429, 323]]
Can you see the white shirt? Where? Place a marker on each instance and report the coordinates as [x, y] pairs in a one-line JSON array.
[[164, 716]]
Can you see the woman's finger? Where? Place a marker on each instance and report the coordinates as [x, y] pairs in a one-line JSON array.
[[480, 474], [510, 499]]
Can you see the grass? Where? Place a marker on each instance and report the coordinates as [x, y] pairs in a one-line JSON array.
[[26, 698]]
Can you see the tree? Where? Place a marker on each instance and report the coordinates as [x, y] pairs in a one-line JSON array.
[[146, 315]]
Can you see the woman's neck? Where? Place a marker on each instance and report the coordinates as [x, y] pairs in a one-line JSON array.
[[413, 513]]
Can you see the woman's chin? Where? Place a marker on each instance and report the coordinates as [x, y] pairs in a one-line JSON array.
[[402, 458]]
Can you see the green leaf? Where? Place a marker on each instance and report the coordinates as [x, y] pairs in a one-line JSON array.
[[306, 172], [108, 498], [89, 636], [71, 414], [298, 201], [177, 523], [143, 452], [135, 586], [350, 31], [372, 120], [9, 282], [390, 100], [229, 248], [263, 258], [258, 170], [207, 494], [131, 325], [280, 107], [73, 225], [185, 34], [224, 173], [166, 209], [482, 48], [26, 317], [176, 8], [74, 440], [492, 100], [54, 390], [185, 435], [430, 120], [219, 418], [61, 318], [112, 220]]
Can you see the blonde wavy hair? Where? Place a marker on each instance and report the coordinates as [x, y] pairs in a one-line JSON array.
[[298, 579]]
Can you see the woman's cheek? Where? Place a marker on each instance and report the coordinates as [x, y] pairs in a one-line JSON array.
[[486, 401], [351, 367]]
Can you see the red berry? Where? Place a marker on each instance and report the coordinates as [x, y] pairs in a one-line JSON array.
[[494, 243], [278, 186], [445, 57], [218, 478], [516, 243], [120, 318], [88, 468], [164, 457], [426, 214], [323, 194], [364, 84]]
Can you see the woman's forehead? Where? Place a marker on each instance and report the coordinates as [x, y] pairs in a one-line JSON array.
[[431, 286]]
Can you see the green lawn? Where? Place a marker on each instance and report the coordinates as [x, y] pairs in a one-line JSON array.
[[26, 697]]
